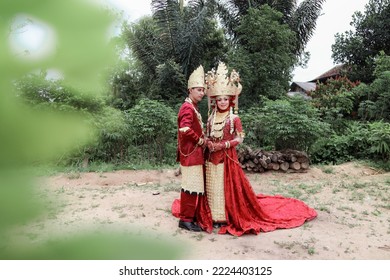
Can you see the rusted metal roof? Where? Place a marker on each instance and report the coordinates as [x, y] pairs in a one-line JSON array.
[[332, 73]]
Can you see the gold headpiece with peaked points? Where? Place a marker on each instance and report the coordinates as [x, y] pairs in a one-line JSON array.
[[219, 83], [196, 79]]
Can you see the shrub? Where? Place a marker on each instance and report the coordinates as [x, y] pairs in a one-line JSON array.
[[339, 148], [359, 141], [379, 140], [284, 124], [152, 132], [336, 101]]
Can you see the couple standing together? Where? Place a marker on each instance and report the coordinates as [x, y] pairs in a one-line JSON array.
[[215, 192]]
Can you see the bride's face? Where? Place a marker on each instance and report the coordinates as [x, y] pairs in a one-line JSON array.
[[223, 102]]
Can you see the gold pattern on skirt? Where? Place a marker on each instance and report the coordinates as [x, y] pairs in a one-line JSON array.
[[215, 191], [192, 178]]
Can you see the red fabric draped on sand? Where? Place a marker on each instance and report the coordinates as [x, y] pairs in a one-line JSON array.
[[250, 213], [247, 212]]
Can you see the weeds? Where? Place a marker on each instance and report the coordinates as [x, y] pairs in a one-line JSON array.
[[73, 175], [327, 169]]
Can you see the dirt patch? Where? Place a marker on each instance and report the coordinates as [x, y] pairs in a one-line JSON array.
[[352, 201]]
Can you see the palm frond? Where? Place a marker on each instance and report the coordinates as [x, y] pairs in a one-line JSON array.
[[194, 29], [303, 21], [143, 44], [168, 16]]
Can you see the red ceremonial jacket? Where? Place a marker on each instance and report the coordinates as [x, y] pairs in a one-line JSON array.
[[188, 152]]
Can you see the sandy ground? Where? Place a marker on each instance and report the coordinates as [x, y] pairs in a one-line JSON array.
[[352, 201]]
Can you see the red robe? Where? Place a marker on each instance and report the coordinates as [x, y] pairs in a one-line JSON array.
[[188, 152], [247, 212]]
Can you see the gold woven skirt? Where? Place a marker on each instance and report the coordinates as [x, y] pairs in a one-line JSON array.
[[192, 179], [215, 191]]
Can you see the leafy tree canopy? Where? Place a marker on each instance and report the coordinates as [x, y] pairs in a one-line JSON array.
[[264, 56], [372, 34]]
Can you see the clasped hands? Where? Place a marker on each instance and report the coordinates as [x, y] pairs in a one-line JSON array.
[[215, 147]]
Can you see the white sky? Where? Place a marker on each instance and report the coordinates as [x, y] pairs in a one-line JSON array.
[[336, 18]]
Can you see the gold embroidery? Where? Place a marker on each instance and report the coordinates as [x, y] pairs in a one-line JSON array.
[[198, 115], [192, 178], [215, 191], [184, 129]]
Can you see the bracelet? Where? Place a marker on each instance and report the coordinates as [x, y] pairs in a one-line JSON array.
[[227, 144]]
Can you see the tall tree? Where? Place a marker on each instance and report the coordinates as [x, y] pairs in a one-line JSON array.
[[185, 30], [264, 55], [300, 18], [371, 36]]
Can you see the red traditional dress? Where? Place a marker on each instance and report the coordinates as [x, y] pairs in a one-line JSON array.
[[190, 156], [230, 197], [242, 210]]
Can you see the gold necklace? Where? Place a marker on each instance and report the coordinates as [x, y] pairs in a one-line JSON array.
[[198, 115], [218, 125]]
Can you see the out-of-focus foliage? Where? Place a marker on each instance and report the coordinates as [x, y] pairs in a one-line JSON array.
[[74, 54], [79, 51], [89, 245]]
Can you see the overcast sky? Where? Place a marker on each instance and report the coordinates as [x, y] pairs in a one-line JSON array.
[[336, 17]]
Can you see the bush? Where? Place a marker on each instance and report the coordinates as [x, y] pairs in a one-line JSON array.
[[336, 101], [152, 132], [379, 140], [284, 124], [339, 148], [359, 141]]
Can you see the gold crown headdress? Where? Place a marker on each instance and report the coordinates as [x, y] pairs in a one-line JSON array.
[[218, 83], [196, 79]]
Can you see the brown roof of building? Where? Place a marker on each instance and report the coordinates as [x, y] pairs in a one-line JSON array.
[[334, 72]]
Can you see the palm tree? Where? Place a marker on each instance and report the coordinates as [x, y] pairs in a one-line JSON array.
[[172, 43], [184, 29]]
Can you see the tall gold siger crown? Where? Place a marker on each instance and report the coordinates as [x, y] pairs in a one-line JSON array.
[[219, 83], [196, 79]]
